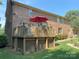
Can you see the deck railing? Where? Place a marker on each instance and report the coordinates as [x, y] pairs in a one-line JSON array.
[[32, 31]]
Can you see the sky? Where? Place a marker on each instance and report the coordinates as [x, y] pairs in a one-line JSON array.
[[59, 7]]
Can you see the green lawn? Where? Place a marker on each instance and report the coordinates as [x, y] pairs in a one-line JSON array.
[[62, 51]]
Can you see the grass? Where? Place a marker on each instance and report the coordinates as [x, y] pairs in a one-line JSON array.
[[62, 51]]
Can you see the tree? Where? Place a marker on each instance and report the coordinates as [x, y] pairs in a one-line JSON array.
[[73, 18]]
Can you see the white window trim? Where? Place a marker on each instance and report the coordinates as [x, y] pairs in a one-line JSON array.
[[59, 20]]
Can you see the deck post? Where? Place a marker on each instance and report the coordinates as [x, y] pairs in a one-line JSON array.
[[46, 43], [24, 46], [54, 42], [36, 44], [15, 44]]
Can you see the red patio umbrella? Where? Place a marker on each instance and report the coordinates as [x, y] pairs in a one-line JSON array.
[[38, 19]]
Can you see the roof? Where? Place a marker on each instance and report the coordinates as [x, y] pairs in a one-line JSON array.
[[36, 9]]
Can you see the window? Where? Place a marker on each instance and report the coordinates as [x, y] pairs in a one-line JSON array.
[[30, 12], [60, 30], [44, 24], [35, 24], [60, 20]]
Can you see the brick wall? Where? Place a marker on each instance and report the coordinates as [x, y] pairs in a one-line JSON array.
[[21, 14]]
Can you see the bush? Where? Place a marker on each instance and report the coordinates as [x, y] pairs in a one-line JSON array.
[[58, 37], [3, 41]]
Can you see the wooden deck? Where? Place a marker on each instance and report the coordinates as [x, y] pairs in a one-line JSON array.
[[33, 44]]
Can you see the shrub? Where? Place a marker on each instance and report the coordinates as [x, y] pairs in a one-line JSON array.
[[58, 37], [3, 41]]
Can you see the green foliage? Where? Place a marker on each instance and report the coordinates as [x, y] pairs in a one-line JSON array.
[[75, 40], [58, 37], [73, 18], [71, 14], [3, 40]]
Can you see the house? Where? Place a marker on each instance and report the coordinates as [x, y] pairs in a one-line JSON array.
[[31, 36]]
